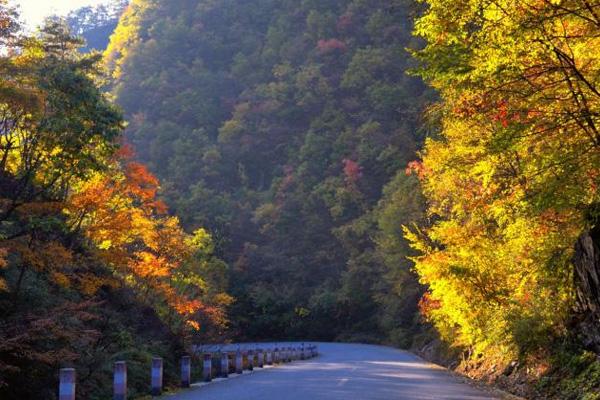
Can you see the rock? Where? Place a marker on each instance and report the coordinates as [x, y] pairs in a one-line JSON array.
[[510, 368], [586, 276]]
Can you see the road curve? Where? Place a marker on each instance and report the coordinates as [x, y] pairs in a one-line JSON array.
[[342, 372]]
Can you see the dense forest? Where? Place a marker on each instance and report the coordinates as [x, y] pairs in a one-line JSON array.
[[422, 174], [285, 128]]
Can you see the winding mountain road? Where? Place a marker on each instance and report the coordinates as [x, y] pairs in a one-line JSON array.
[[342, 372]]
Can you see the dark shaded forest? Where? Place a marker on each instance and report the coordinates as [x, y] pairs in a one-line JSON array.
[[285, 128]]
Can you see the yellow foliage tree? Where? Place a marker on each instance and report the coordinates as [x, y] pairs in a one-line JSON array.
[[512, 179]]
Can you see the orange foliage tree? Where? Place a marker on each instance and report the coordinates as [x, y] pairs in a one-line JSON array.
[[118, 211]]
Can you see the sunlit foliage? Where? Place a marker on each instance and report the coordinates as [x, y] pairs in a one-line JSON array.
[[512, 179], [120, 214]]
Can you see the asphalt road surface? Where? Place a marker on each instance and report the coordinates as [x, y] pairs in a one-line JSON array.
[[342, 372]]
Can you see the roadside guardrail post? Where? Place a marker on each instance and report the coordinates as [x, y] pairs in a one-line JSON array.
[[120, 381], [250, 359], [186, 371], [207, 367], [260, 361], [67, 383], [239, 362], [231, 359], [224, 364], [157, 376]]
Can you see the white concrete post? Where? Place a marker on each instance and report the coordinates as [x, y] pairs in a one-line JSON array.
[[250, 358], [207, 367], [186, 371], [157, 376], [260, 362], [269, 357], [67, 382], [239, 362], [120, 381], [224, 365]]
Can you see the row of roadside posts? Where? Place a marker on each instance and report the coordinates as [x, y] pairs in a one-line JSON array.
[[217, 364]]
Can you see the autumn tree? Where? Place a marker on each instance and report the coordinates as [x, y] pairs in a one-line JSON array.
[[511, 180], [92, 266], [58, 127], [119, 212]]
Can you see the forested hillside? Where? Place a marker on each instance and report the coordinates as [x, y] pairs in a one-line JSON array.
[[96, 24], [285, 127]]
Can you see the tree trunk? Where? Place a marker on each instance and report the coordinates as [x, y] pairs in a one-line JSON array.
[[18, 286], [586, 276]]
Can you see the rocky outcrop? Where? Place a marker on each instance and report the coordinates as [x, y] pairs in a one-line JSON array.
[[586, 261]]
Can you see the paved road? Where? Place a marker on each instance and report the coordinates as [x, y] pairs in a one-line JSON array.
[[342, 372]]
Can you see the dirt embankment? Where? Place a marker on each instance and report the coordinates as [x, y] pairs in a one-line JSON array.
[[563, 374]]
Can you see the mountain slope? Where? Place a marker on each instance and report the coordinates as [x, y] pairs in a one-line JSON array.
[[277, 124]]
